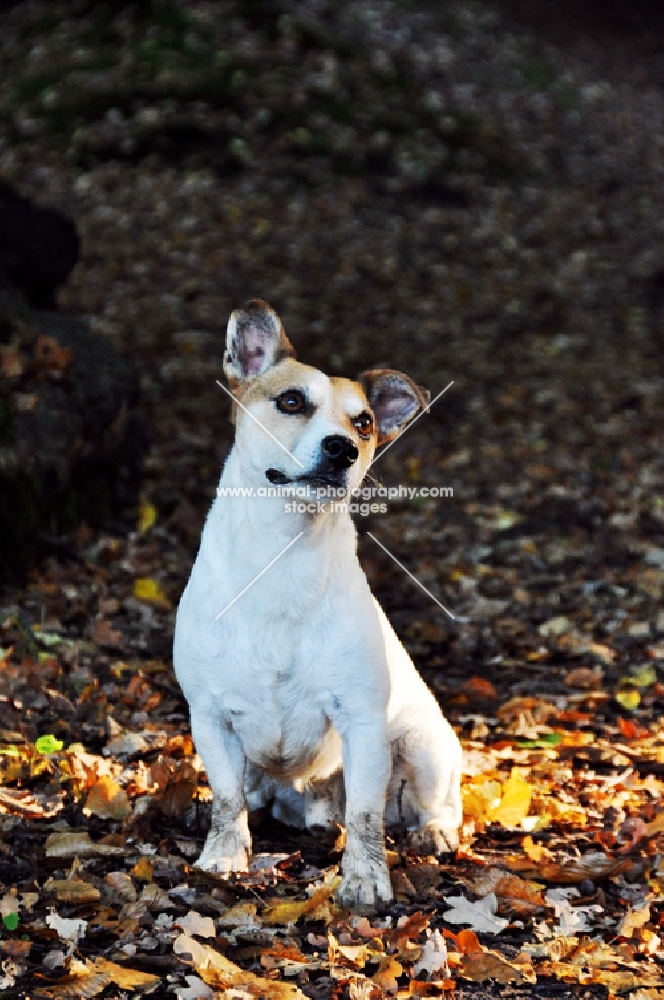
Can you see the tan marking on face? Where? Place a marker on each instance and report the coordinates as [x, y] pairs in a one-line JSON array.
[[337, 401], [349, 401]]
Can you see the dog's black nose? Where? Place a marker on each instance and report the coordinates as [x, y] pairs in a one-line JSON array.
[[341, 451]]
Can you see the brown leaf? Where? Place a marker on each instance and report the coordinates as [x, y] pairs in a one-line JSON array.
[[219, 972], [91, 978], [72, 890], [487, 965], [107, 800], [176, 781], [388, 972], [77, 844], [104, 635]]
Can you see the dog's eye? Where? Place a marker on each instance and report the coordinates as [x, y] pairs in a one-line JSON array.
[[364, 424], [291, 401]]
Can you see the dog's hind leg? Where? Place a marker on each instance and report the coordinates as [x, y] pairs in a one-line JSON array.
[[425, 790]]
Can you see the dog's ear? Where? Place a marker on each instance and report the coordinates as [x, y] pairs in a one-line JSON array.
[[395, 399], [255, 340]]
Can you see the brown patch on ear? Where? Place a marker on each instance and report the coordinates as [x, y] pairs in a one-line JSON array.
[[395, 400], [255, 341]]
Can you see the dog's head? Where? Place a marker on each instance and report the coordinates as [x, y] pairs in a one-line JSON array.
[[297, 426]]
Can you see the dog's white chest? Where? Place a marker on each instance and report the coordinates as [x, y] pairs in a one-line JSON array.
[[278, 713]]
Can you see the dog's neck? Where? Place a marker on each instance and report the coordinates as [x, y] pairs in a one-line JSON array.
[[259, 523]]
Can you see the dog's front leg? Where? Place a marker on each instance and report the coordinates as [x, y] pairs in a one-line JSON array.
[[228, 843], [366, 761]]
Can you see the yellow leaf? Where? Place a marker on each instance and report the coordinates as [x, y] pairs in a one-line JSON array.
[[143, 869], [389, 971], [148, 589], [219, 972], [628, 699], [290, 911], [515, 802], [147, 515], [107, 800], [534, 851]]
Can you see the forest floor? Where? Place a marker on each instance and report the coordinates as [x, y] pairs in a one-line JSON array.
[[453, 195]]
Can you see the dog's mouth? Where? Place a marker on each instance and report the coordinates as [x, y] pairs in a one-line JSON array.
[[311, 479]]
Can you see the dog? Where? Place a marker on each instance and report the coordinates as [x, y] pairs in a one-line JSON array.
[[300, 693]]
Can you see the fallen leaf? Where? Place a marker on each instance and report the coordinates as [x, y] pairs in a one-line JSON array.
[[433, 959], [90, 978], [67, 929], [218, 971], [481, 915], [478, 968], [72, 890], [515, 802], [634, 920], [290, 911], [194, 923], [107, 800], [388, 972], [77, 844], [147, 515], [147, 589]]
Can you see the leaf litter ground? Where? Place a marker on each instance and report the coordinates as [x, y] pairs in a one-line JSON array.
[[103, 804]]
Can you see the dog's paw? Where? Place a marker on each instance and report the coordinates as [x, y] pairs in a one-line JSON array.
[[434, 838], [360, 892], [225, 851]]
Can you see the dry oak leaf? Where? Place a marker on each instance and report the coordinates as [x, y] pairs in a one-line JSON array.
[[176, 781], [388, 972], [72, 890], [317, 907], [107, 800], [77, 844], [195, 923], [488, 965], [90, 978], [481, 915], [219, 972], [595, 865]]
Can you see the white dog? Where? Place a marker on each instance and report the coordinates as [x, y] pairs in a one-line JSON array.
[[300, 692]]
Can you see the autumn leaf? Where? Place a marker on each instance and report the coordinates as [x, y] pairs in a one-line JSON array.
[[107, 800], [219, 972], [90, 978], [388, 972], [514, 803], [147, 515], [480, 967], [77, 844], [481, 915], [72, 890], [290, 911], [150, 590]]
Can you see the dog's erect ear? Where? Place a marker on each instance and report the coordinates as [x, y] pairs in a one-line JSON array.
[[255, 340], [394, 399]]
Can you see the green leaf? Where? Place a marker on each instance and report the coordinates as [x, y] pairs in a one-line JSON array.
[[10, 920], [48, 744], [541, 743]]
